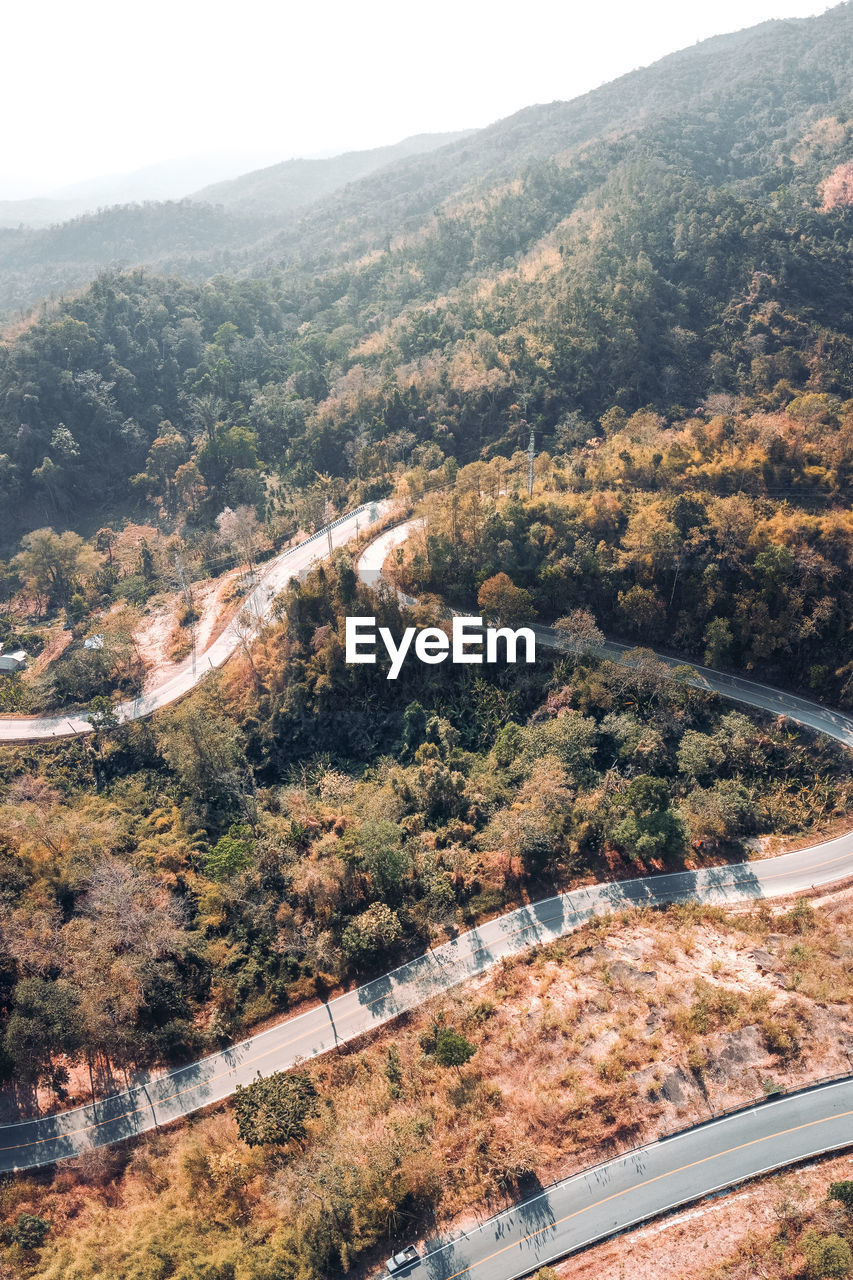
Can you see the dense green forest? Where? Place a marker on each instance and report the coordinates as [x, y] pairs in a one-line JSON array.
[[299, 822], [655, 279], [680, 238]]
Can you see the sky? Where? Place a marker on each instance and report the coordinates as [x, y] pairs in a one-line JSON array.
[[99, 86]]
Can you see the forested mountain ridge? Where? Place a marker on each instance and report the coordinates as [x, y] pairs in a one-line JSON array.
[[736, 109], [206, 231], [294, 183], [656, 279], [727, 109], [174, 235], [681, 240]]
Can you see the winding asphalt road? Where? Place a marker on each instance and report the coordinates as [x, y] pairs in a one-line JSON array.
[[651, 1180], [256, 610], [177, 1093], [612, 1196], [811, 714]]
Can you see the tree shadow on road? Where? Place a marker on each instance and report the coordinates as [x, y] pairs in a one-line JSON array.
[[443, 1260], [426, 975]]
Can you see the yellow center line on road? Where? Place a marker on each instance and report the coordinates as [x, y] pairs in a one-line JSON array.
[[616, 1195]]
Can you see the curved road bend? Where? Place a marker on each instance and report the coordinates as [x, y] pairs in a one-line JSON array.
[[372, 558], [626, 1191], [739, 689], [212, 1079], [257, 605]]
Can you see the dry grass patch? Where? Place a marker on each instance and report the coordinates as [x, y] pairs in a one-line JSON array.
[[635, 1025]]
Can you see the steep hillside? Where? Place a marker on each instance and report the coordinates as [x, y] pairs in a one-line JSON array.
[[730, 109], [213, 230], [681, 238], [172, 179], [656, 280], [38, 264], [597, 1043], [747, 110]]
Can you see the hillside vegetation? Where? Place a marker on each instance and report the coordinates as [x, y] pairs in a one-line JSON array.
[[300, 823], [585, 1047], [672, 536], [655, 279], [678, 242], [197, 235]]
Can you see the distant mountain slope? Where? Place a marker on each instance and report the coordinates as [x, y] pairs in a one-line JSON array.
[[199, 236], [296, 183], [168, 180], [40, 211], [174, 235], [729, 109], [660, 242]]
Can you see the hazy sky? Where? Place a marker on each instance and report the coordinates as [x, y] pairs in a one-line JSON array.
[[105, 86]]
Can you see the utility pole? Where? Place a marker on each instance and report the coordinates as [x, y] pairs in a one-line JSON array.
[[328, 526], [188, 599], [531, 455], [325, 480]]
